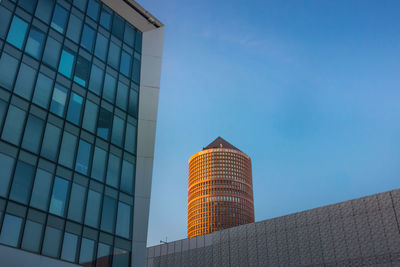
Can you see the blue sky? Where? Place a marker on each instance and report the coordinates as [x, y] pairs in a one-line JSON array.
[[310, 90]]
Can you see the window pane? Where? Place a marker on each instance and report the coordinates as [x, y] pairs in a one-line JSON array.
[[74, 28], [87, 251], [125, 66], [96, 80], [59, 196], [32, 236], [59, 20], [10, 231], [104, 123], [90, 116], [52, 242], [105, 18], [83, 157], [114, 55], [58, 100], [133, 103], [74, 109], [123, 220], [67, 150], [118, 27], [92, 209], [113, 170], [108, 214], [34, 45], [82, 68], [17, 32], [6, 169], [33, 134], [52, 52], [28, 5], [77, 202], [87, 38], [103, 255], [44, 9], [5, 18], [136, 69], [81, 4], [66, 63], [25, 81], [3, 110], [99, 164], [14, 125], [43, 88], [70, 243], [129, 36], [8, 67], [51, 141], [109, 88], [22, 182], [127, 175], [100, 50], [118, 131], [138, 41], [122, 95], [41, 190], [93, 9], [130, 138], [121, 257]]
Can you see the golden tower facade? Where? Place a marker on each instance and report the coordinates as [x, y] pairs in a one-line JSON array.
[[220, 189]]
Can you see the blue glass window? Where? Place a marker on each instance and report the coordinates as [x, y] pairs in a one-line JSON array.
[[32, 236], [51, 140], [118, 131], [96, 80], [83, 157], [113, 170], [82, 69], [41, 190], [52, 52], [104, 123], [109, 88], [59, 196], [101, 48], [3, 110], [22, 182], [129, 36], [121, 257], [74, 28], [11, 230], [66, 63], [77, 203], [33, 134], [8, 67], [34, 45], [25, 81], [105, 18], [43, 88], [6, 169], [108, 214], [52, 242], [130, 138], [93, 209], [5, 18], [99, 164], [127, 174], [28, 5], [88, 37], [86, 252], [138, 41], [74, 109], [126, 61], [69, 247], [81, 4], [58, 100], [114, 55], [44, 9], [133, 103], [103, 255], [90, 116], [17, 33], [124, 220], [59, 20], [122, 95], [136, 68], [93, 9], [118, 27], [67, 150], [14, 125]]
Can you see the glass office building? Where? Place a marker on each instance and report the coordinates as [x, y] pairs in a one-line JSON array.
[[79, 84]]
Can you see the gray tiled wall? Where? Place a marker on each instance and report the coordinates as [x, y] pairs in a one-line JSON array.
[[359, 232]]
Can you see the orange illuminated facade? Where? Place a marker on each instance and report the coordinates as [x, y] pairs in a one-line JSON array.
[[220, 189]]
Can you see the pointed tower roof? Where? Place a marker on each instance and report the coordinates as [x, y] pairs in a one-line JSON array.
[[220, 143]]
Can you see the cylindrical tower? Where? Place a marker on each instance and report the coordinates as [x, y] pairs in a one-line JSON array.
[[220, 189]]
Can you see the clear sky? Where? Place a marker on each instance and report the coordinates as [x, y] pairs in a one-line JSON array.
[[310, 90]]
